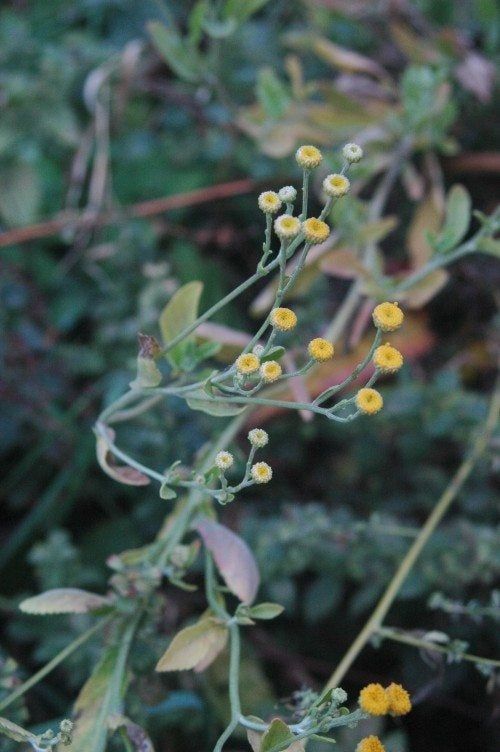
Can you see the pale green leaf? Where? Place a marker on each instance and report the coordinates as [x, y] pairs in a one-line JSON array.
[[457, 219], [272, 94], [148, 374], [166, 492], [63, 601], [192, 646], [241, 10], [180, 312], [277, 735], [20, 194], [266, 611], [199, 400], [489, 245], [182, 58]]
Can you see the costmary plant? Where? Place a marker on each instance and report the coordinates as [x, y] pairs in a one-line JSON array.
[[231, 577]]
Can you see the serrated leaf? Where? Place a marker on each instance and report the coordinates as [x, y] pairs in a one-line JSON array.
[[198, 401], [182, 58], [16, 733], [233, 558], [121, 473], [181, 311], [266, 611], [457, 219], [64, 601], [193, 646]]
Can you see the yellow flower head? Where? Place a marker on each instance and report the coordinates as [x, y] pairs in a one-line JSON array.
[[387, 359], [388, 317], [336, 185], [308, 157], [287, 227], [399, 699], [370, 744], [373, 699], [352, 152], [258, 438], [270, 371], [283, 319], [261, 472], [369, 401], [247, 363], [320, 349], [269, 202], [224, 460], [315, 230]]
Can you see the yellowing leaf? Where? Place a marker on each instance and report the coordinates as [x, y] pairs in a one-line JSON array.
[[427, 218], [180, 312], [193, 646], [63, 601], [233, 558], [121, 473], [420, 294]]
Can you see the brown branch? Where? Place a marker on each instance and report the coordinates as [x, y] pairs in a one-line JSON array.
[[74, 219]]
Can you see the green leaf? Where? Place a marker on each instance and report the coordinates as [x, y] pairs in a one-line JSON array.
[[181, 311], [266, 611], [63, 601], [242, 9], [148, 374], [166, 492], [457, 220], [275, 353], [324, 739], [198, 401], [272, 94], [20, 194], [277, 735], [196, 20], [220, 29], [183, 60], [489, 245], [194, 647]]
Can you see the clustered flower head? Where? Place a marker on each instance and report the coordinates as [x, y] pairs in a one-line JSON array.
[[270, 371], [376, 700], [224, 460], [261, 472], [287, 194], [287, 227], [336, 185], [352, 153], [320, 349], [258, 438], [388, 317], [387, 358], [369, 401], [283, 319], [269, 202], [247, 363], [315, 230], [308, 157], [370, 744]]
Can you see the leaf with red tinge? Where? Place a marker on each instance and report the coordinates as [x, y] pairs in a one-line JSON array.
[[64, 601], [121, 473], [233, 558]]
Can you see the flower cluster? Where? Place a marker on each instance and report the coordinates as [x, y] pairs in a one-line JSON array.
[[393, 700]]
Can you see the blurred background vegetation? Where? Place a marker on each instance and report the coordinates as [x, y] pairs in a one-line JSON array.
[[108, 104]]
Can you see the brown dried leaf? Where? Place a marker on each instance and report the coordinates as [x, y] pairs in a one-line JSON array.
[[64, 601]]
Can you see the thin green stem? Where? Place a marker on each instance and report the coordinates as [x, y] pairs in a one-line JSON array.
[[234, 681]]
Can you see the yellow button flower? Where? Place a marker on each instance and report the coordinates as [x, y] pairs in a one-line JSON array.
[[224, 460], [283, 319], [373, 699], [388, 317], [308, 157], [399, 699], [247, 363], [315, 230], [269, 202], [270, 371], [369, 401], [370, 744], [287, 227], [258, 438], [261, 472], [387, 358], [320, 349], [336, 185]]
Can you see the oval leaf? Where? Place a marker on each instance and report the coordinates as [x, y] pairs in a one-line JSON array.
[[64, 601], [181, 311], [193, 646], [122, 473], [233, 558], [266, 611], [278, 734]]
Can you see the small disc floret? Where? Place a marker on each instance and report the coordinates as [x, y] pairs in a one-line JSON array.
[[224, 460], [261, 472], [287, 227], [258, 438], [308, 157], [370, 744], [270, 371], [369, 401], [315, 230], [247, 363], [387, 359], [287, 194], [373, 699], [283, 319], [388, 317], [320, 349], [352, 153], [336, 185], [399, 699], [269, 202]]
